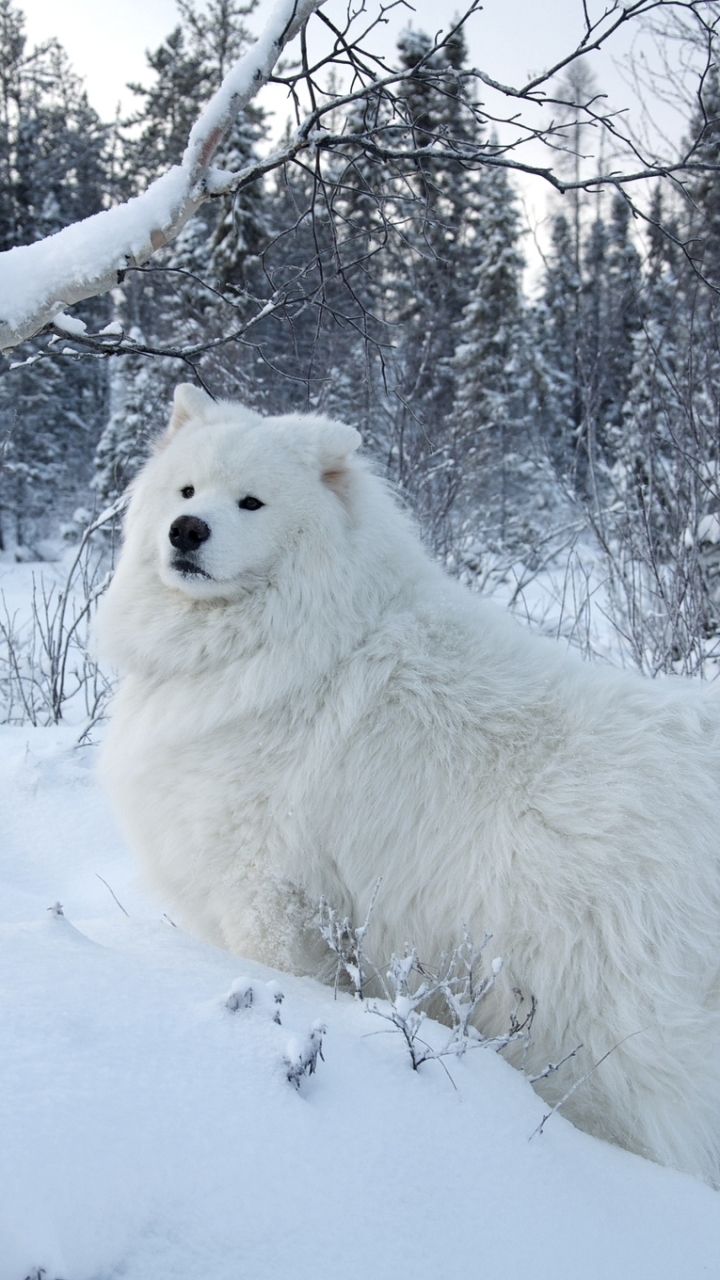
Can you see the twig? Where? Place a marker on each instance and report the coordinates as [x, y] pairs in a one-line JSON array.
[[112, 891]]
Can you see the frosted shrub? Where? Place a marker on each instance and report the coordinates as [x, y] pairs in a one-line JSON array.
[[347, 942], [301, 1056], [45, 662], [265, 996], [412, 991], [452, 994], [301, 1053]]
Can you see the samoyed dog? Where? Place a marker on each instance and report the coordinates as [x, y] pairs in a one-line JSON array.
[[309, 704]]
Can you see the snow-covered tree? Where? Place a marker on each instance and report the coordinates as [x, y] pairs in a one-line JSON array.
[[52, 173], [178, 301], [703, 188], [556, 324], [430, 276], [492, 413]]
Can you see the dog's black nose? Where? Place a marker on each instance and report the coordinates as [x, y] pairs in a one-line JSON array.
[[187, 532]]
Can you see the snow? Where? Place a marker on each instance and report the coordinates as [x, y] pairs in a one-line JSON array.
[[69, 324], [31, 275], [150, 1131]]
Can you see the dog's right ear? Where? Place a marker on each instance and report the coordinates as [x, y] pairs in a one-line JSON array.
[[189, 403]]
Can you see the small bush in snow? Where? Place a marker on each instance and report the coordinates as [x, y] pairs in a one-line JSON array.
[[244, 994], [301, 1056], [347, 942], [45, 663], [413, 992], [453, 994]]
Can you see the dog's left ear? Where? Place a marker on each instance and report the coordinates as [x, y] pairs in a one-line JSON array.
[[190, 403], [333, 444]]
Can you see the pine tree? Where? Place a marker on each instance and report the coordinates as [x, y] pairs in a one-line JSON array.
[[178, 300], [703, 191], [12, 49], [645, 443], [699, 283], [585, 323], [52, 172], [556, 323], [430, 280], [621, 312], [156, 135], [492, 415], [335, 254], [661, 527]]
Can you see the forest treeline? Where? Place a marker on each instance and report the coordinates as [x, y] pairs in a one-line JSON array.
[[391, 295]]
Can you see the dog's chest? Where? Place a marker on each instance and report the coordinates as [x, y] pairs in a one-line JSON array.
[[225, 786]]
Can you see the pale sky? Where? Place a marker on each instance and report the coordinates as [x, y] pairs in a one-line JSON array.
[[509, 40], [106, 43]]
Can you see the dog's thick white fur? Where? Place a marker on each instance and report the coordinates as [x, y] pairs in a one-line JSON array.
[[309, 704]]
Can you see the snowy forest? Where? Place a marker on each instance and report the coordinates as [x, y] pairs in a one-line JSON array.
[[511, 287], [377, 271]]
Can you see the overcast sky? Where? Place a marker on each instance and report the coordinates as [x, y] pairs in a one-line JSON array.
[[107, 42], [509, 40]]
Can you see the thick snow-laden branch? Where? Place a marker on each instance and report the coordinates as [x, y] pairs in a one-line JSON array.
[[38, 281]]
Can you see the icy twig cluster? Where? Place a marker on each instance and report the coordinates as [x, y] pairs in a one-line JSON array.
[[46, 662], [413, 992], [347, 942], [454, 993], [301, 1054]]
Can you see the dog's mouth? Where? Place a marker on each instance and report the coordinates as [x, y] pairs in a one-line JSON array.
[[189, 570]]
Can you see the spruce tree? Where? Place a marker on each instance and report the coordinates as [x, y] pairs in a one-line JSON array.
[[645, 443], [585, 322], [661, 527], [492, 415], [178, 300], [703, 190], [52, 172], [430, 280], [621, 318], [556, 325], [335, 252]]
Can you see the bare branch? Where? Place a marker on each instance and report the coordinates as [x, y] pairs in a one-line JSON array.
[[88, 258], [38, 281]]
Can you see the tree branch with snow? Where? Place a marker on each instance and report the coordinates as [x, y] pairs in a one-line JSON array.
[[38, 281], [367, 118]]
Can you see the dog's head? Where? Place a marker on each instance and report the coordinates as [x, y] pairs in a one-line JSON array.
[[229, 493]]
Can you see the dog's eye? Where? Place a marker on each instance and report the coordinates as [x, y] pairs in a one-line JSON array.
[[248, 503], [188, 491]]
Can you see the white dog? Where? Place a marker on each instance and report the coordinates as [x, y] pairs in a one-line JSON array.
[[310, 704]]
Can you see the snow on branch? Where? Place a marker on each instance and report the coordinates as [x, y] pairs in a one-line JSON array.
[[88, 258]]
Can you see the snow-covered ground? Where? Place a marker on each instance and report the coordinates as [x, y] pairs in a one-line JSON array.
[[150, 1133]]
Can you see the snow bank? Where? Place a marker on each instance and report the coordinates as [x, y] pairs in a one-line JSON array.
[[149, 1128]]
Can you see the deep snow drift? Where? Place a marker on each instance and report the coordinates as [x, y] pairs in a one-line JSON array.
[[148, 1132]]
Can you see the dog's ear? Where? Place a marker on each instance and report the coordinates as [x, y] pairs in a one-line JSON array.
[[333, 444], [189, 402]]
